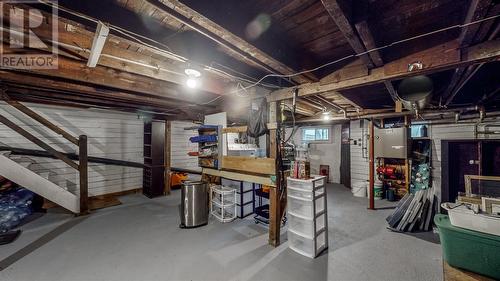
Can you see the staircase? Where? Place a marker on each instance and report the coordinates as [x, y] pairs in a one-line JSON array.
[[20, 173]]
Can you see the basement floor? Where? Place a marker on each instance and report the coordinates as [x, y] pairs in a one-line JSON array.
[[140, 240]]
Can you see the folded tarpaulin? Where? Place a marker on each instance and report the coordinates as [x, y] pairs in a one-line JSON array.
[[204, 138]]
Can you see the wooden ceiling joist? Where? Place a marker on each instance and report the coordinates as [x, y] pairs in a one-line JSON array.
[[478, 9], [229, 41], [56, 85], [438, 58], [106, 77], [340, 18], [360, 41]]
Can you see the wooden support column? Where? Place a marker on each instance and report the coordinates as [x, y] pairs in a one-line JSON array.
[[275, 192], [372, 165], [83, 171], [168, 162]]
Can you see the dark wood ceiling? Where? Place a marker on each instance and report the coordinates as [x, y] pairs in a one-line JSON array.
[[296, 35]]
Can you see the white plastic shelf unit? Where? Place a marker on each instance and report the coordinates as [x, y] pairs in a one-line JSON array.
[[307, 215], [223, 203]]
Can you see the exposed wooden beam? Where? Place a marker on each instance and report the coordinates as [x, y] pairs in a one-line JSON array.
[[75, 41], [40, 83], [366, 36], [477, 9], [340, 18], [234, 44], [438, 58], [360, 41], [107, 77]]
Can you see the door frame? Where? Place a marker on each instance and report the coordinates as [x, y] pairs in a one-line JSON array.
[[445, 165]]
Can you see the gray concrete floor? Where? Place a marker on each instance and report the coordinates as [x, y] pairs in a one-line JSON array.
[[140, 240]]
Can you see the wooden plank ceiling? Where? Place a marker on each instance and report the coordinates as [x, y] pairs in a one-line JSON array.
[[250, 39]]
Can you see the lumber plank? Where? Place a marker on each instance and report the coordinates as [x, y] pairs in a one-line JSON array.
[[239, 176], [264, 166]]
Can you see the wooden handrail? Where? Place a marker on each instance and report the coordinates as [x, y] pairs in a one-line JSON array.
[[42, 120], [38, 142], [82, 166]]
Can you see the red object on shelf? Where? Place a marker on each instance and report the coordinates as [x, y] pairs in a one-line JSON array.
[[193, 153], [388, 172]]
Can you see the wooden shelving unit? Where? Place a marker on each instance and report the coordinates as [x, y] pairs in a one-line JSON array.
[[153, 182]]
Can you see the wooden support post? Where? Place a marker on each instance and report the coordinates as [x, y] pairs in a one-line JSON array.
[[168, 162], [372, 165], [275, 192], [83, 171]]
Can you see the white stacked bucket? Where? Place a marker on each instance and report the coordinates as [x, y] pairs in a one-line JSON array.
[[307, 215]]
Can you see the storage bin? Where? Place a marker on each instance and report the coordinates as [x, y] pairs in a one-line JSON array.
[[464, 217], [305, 246], [470, 250], [304, 208], [246, 196], [305, 227], [247, 210], [247, 186], [305, 194], [317, 181]]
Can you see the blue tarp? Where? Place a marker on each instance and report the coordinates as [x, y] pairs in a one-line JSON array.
[[15, 205]]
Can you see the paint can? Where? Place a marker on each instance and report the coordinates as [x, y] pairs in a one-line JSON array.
[[378, 190]]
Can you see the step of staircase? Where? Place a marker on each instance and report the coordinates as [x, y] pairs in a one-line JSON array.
[[40, 185]]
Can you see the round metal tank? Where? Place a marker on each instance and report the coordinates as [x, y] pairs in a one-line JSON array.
[[416, 92], [194, 204]]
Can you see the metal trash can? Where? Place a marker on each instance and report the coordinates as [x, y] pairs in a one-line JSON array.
[[194, 204]]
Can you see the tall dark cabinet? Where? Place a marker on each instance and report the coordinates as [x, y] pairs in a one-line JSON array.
[[154, 158]]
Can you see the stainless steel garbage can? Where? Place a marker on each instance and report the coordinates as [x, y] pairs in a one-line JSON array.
[[194, 204]]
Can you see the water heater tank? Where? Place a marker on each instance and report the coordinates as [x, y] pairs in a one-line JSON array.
[[416, 92]]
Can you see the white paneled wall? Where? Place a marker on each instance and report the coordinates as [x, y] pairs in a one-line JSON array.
[[359, 151], [111, 134], [181, 146]]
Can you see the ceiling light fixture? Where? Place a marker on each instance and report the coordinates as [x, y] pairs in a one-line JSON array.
[[326, 115], [192, 81]]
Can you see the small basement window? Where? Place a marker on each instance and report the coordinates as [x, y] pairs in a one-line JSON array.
[[315, 134]]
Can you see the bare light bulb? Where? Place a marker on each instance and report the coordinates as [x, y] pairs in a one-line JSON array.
[[192, 83], [326, 115]]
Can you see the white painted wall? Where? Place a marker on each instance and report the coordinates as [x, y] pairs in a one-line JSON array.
[[359, 164], [181, 146], [359, 151], [111, 134], [324, 153]]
